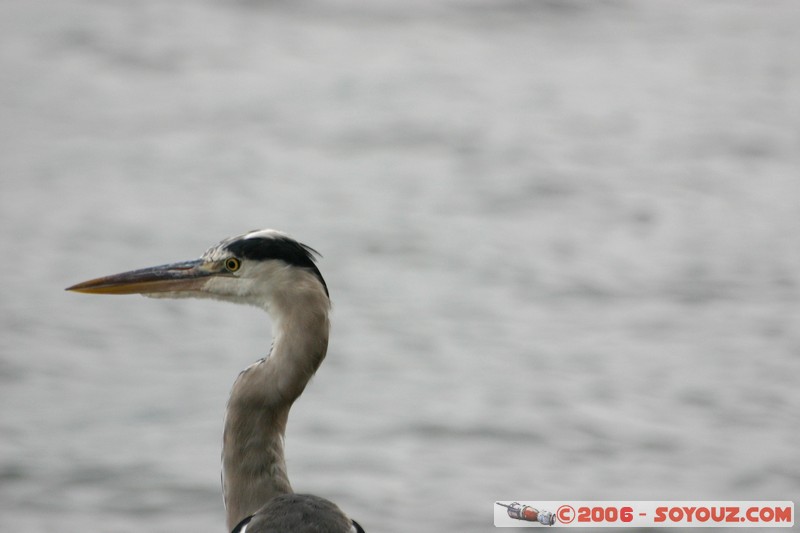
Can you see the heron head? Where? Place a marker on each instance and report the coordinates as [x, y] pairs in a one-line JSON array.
[[253, 268]]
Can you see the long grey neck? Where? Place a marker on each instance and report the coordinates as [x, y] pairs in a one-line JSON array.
[[253, 465]]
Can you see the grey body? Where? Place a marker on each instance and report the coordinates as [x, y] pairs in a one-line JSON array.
[[298, 513], [267, 269]]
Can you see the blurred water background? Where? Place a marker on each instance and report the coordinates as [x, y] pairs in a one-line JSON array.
[[562, 239]]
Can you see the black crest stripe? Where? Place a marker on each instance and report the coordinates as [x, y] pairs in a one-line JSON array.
[[282, 248]]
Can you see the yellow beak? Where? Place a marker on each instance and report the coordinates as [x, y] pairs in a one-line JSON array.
[[174, 277]]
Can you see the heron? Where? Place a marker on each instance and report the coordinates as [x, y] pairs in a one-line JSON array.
[[273, 271]]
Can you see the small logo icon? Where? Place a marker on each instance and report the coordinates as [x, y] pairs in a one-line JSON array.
[[565, 514], [525, 512]]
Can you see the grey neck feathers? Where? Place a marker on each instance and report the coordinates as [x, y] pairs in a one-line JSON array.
[[253, 465]]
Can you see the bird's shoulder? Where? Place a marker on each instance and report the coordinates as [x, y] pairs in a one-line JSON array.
[[298, 513]]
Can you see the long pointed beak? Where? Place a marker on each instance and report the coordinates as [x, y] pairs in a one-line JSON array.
[[175, 277]]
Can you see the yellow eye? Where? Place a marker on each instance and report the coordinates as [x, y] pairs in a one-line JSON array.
[[232, 264]]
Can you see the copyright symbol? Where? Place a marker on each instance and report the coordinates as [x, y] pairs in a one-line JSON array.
[[565, 514]]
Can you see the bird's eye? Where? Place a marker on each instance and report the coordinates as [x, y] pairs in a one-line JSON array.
[[232, 264]]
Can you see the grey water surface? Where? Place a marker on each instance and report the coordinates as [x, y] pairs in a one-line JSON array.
[[562, 240]]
